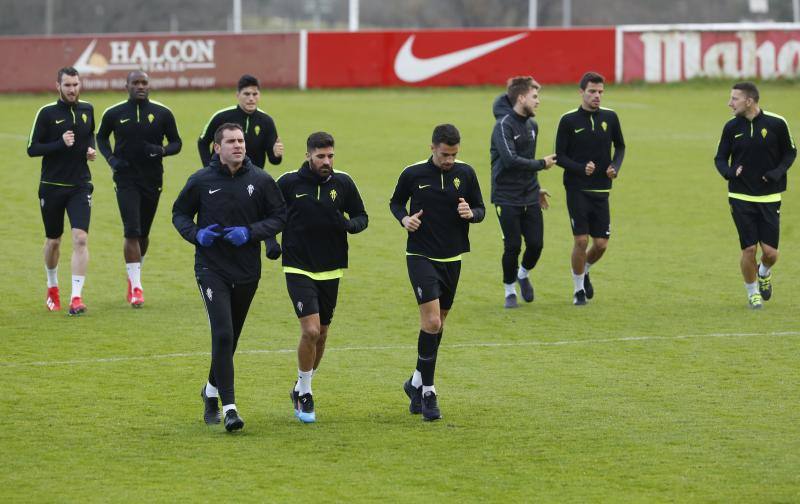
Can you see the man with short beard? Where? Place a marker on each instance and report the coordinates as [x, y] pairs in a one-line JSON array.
[[516, 194], [140, 126], [63, 134]]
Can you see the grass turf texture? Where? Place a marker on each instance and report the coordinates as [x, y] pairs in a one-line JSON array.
[[665, 387]]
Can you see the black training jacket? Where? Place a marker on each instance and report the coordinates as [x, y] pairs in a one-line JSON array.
[[62, 165], [443, 233], [315, 236], [512, 152], [763, 147], [248, 198], [139, 129], [260, 134], [585, 136]]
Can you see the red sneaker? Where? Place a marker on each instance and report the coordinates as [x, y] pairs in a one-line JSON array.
[[76, 306], [130, 294], [137, 298], [53, 301]]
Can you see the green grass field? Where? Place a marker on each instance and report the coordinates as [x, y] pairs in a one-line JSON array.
[[666, 387]]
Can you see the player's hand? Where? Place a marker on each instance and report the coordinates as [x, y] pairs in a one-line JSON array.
[[206, 236], [69, 138], [464, 211], [611, 172], [412, 222], [773, 175], [549, 161], [590, 167], [341, 222], [738, 171], [91, 154], [237, 235], [153, 151], [277, 149], [273, 248], [544, 204]]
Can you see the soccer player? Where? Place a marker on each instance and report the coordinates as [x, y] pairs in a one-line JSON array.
[[445, 199], [517, 197], [315, 253], [754, 153], [63, 134], [260, 134], [139, 126], [237, 205], [584, 143]]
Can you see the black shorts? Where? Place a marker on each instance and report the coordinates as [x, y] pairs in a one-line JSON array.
[[756, 222], [589, 213], [433, 280], [311, 296], [75, 200], [138, 201]]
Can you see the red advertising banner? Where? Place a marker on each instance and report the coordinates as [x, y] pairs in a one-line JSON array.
[[456, 57], [670, 54], [172, 61]]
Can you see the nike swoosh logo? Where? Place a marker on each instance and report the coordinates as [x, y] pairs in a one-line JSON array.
[[155, 155], [410, 68], [123, 121], [423, 186], [517, 136], [737, 136], [579, 130], [300, 195], [59, 121], [215, 190]]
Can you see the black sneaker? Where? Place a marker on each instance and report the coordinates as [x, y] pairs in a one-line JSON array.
[[526, 289], [211, 408], [430, 407], [233, 421], [304, 409], [587, 286], [511, 301], [579, 299], [415, 394]]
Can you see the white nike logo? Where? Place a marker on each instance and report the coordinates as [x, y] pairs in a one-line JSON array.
[[423, 186], [517, 136], [123, 121], [59, 121], [155, 154], [215, 190], [409, 68], [300, 195]]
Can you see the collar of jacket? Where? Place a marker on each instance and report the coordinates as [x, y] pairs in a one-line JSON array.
[[63, 104], [134, 101], [305, 172], [215, 164], [587, 112], [518, 117]]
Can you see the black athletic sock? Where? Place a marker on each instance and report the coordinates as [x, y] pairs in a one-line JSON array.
[[427, 345]]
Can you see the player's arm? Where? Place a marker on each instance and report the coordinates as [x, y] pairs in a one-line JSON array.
[[185, 208], [503, 139], [475, 200], [174, 142], [37, 142], [275, 214], [563, 136], [619, 145], [272, 138], [787, 146], [401, 195], [104, 135], [722, 159], [207, 139], [358, 219]]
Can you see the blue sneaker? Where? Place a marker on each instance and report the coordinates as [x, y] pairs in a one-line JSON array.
[[303, 407]]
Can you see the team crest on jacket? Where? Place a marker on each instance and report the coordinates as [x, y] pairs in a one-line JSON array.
[[763, 132], [84, 117], [457, 182], [250, 189], [258, 129], [604, 125], [151, 118], [333, 194]]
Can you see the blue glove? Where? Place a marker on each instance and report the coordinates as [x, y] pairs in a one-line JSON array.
[[206, 236], [238, 235]]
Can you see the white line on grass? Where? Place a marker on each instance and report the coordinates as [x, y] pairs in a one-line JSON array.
[[624, 339]]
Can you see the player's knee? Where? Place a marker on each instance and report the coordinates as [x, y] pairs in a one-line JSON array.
[[769, 255], [512, 248], [311, 333], [582, 242], [749, 251], [80, 239], [432, 324], [601, 245]]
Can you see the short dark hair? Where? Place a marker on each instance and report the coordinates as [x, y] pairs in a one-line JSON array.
[[319, 140], [748, 88], [246, 80], [67, 71], [446, 134], [225, 127], [520, 85], [593, 77]]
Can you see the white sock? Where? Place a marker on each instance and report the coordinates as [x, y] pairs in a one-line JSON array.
[[763, 271], [134, 274], [416, 379], [522, 272], [586, 267], [52, 276], [752, 288], [426, 389], [227, 407], [577, 280], [510, 289], [304, 381], [297, 383], [211, 390], [77, 285]]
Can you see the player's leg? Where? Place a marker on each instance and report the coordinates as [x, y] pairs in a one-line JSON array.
[[79, 208], [769, 236], [578, 216], [509, 218], [129, 201], [532, 226], [52, 204], [745, 217], [600, 231], [304, 295], [328, 292]]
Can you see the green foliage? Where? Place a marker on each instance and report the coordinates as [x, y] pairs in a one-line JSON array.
[[666, 387]]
